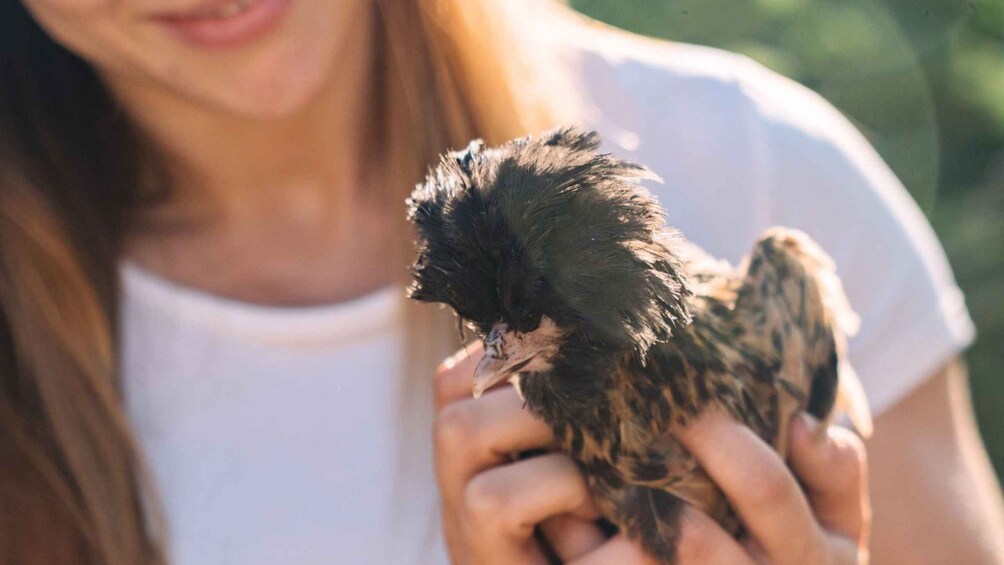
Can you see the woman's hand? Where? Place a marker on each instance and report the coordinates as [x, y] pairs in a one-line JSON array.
[[826, 520], [492, 504]]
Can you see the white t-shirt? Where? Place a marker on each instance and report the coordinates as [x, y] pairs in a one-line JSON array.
[[271, 431]]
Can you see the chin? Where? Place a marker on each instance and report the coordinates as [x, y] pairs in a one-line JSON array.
[[275, 85], [268, 64], [273, 79]]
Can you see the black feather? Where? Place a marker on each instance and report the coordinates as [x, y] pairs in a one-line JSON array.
[[501, 235], [649, 329]]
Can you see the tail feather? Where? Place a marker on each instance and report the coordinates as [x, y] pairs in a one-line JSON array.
[[851, 398], [788, 271]]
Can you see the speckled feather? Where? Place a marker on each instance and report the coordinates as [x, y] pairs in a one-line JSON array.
[[656, 330]]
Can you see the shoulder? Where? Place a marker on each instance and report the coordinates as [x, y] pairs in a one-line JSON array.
[[657, 88], [726, 132], [742, 148], [631, 78], [715, 125]]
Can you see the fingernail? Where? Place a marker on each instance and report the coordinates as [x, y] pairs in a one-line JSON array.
[[449, 362]]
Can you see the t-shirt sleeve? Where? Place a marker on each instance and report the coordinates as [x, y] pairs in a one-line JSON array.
[[819, 174]]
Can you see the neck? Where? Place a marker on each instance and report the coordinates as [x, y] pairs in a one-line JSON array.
[[576, 386]]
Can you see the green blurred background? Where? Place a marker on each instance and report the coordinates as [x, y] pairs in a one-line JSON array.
[[924, 80]]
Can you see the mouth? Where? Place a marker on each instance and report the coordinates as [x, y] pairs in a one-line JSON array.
[[224, 23], [509, 353]]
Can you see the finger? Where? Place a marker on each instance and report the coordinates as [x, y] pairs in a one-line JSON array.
[[701, 542], [454, 378], [704, 542], [473, 435], [845, 550], [617, 549], [759, 486], [572, 537], [502, 506], [833, 472], [753, 549], [512, 499]]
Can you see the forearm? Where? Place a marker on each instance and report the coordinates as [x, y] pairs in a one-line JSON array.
[[934, 495]]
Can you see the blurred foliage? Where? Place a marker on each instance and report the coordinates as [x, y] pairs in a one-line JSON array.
[[924, 80]]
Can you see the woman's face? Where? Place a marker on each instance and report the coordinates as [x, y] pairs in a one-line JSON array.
[[260, 58]]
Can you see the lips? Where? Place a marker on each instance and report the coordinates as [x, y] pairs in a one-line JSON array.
[[225, 24]]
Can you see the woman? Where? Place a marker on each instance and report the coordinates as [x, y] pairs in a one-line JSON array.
[[201, 249]]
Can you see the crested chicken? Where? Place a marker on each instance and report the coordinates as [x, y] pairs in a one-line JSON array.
[[615, 330]]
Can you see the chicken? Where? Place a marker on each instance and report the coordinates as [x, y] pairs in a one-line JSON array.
[[615, 330]]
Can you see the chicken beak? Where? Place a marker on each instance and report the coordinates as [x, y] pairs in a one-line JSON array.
[[490, 371], [498, 363], [509, 354]]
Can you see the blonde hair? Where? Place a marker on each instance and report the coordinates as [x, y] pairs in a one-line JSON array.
[[493, 80], [73, 171]]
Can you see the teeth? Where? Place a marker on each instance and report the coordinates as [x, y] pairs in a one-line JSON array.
[[230, 10]]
